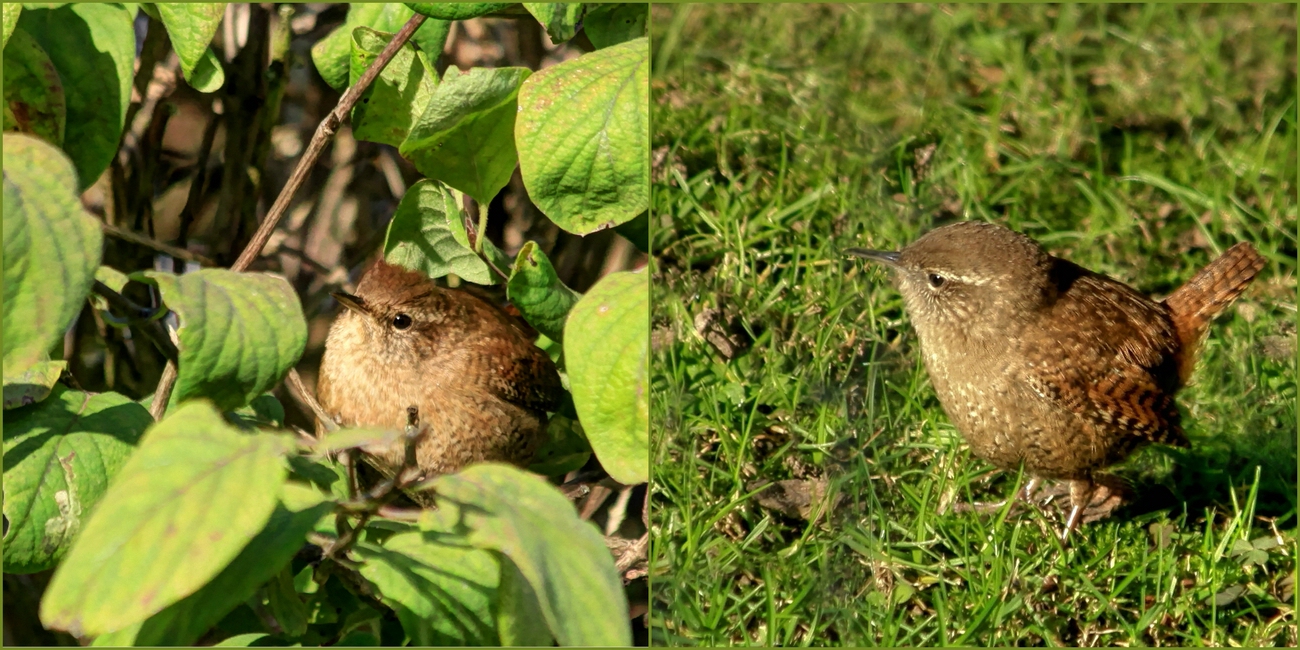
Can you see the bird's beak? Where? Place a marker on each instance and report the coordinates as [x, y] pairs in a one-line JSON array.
[[888, 258], [355, 303]]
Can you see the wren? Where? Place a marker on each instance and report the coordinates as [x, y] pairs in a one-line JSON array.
[[481, 387], [1043, 364]]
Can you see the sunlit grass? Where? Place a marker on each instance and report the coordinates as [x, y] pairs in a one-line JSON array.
[[1138, 141]]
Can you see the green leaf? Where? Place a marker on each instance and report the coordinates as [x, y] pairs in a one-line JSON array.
[[11, 13], [239, 332], [356, 439], [559, 18], [51, 249], [427, 234], [431, 37], [34, 101], [466, 135], [539, 294], [285, 604], [112, 278], [564, 559], [398, 95], [92, 46], [611, 24], [520, 620], [583, 133], [190, 26], [120, 638], [607, 351], [33, 385], [241, 640], [208, 75], [58, 458], [267, 554], [457, 10], [359, 639], [565, 450], [443, 594], [332, 54], [186, 503], [264, 411]]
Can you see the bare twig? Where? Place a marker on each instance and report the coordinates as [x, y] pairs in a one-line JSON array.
[[165, 249], [304, 396], [635, 551], [575, 491], [618, 511], [324, 132], [372, 502], [392, 174], [304, 438], [599, 494], [396, 513], [163, 394], [350, 465]]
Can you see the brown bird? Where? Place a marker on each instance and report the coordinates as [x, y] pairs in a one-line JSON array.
[[1040, 362], [481, 387]]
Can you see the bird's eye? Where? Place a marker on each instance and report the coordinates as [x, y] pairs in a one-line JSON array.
[[401, 321], [936, 280]]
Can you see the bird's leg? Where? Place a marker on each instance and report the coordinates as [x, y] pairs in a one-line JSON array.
[[1030, 488], [1081, 491]]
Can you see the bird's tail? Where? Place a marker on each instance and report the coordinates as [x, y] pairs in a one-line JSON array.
[[1196, 303]]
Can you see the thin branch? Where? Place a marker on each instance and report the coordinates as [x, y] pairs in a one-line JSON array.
[[165, 249], [635, 552], [304, 396], [387, 490], [349, 461], [324, 132], [396, 513], [163, 393], [618, 511], [599, 494]]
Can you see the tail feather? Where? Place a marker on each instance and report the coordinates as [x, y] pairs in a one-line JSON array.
[[1196, 303]]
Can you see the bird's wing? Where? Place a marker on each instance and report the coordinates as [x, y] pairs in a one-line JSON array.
[[1119, 371], [500, 356], [525, 376]]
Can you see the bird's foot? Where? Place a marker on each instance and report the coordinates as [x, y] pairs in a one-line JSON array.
[[979, 507], [1023, 496], [1091, 500]]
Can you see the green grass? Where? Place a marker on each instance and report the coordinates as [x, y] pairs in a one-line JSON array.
[[1138, 141]]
